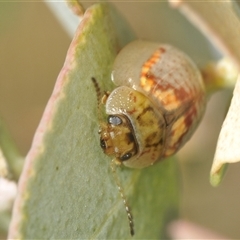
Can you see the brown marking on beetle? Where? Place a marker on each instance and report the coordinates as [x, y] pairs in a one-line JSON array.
[[132, 111], [143, 119], [129, 137], [180, 93], [166, 93], [145, 151], [172, 95], [180, 130], [144, 111], [150, 140], [149, 143], [163, 50], [189, 117], [147, 79], [132, 97]]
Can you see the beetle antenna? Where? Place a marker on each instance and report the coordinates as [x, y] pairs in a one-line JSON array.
[[120, 189], [99, 99], [98, 90]]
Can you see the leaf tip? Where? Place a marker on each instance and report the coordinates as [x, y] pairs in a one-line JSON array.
[[217, 175], [76, 7]]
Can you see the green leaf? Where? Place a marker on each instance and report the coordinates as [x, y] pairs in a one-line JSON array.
[[67, 189]]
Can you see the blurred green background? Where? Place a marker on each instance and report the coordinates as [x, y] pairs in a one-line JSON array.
[[33, 46]]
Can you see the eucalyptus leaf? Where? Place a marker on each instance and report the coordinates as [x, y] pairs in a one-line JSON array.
[[67, 189]]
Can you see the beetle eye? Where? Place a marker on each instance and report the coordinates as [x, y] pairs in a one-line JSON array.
[[126, 156], [114, 120], [102, 144]]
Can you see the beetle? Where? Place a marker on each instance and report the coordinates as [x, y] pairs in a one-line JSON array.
[[157, 105]]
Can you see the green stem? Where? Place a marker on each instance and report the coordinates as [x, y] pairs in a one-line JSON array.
[[11, 162], [219, 75]]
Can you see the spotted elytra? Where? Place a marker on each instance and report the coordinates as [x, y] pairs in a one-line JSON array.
[[159, 101]]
